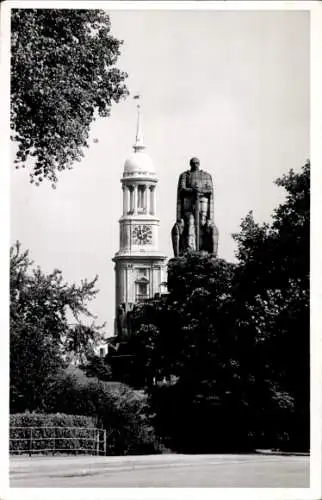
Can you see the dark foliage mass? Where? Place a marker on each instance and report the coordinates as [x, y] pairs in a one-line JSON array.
[[63, 76], [96, 366], [230, 343]]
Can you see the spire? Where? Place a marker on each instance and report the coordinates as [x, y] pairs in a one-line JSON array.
[[139, 145]]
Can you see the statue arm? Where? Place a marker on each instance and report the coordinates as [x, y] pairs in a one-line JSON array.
[[182, 188], [175, 239], [179, 210], [182, 184]]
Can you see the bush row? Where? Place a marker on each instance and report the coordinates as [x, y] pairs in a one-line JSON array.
[[49, 433]]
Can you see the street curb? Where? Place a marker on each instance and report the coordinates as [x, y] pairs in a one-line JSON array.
[[282, 453]]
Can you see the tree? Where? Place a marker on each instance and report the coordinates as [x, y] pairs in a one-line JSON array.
[[63, 76], [34, 362], [47, 327], [274, 280]]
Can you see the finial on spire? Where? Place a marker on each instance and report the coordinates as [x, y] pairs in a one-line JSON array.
[[139, 145]]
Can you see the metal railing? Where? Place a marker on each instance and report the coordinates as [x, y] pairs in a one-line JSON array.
[[57, 440]]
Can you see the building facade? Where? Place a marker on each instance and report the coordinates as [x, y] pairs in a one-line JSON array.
[[139, 265]]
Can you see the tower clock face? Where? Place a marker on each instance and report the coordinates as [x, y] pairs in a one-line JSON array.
[[142, 234]]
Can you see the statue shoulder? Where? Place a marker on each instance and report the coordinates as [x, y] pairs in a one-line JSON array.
[[205, 174], [183, 178], [184, 174]]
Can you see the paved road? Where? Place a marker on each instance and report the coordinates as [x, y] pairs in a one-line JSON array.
[[161, 471]]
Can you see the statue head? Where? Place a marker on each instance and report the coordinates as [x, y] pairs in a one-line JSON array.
[[194, 164]]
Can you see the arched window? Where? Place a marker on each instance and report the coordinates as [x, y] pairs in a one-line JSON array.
[[141, 287], [142, 291]]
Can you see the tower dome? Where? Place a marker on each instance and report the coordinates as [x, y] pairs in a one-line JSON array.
[[138, 164]]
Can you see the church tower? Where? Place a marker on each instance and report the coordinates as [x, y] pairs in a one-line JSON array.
[[139, 266]]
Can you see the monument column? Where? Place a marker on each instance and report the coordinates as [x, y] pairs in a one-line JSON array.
[[153, 200], [135, 199], [125, 199], [131, 191], [147, 198]]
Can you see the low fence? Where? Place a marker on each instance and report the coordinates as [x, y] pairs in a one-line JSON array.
[[57, 440]]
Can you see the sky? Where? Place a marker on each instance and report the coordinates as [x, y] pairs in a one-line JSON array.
[[230, 87]]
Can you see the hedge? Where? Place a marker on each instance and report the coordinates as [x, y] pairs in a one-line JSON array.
[[51, 433]]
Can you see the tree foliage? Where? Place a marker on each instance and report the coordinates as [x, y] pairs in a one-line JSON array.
[[48, 327], [63, 75], [96, 366], [274, 277]]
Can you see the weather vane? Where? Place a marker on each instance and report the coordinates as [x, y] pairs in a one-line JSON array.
[[139, 146]]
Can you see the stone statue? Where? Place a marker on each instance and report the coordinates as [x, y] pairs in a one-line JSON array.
[[121, 321], [124, 320], [195, 229], [177, 237]]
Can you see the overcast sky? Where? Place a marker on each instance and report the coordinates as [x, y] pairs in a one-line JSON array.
[[229, 87]]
